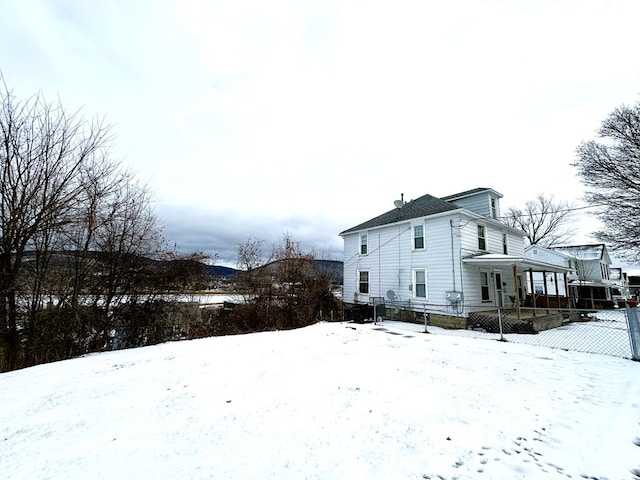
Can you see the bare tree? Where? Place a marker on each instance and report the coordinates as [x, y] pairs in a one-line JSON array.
[[610, 169], [252, 279], [288, 292], [77, 233], [544, 221], [42, 149], [291, 270]]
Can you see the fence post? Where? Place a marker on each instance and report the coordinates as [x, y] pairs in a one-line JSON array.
[[633, 326], [426, 317], [500, 324]]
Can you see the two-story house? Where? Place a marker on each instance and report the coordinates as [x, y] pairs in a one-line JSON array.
[[549, 283], [591, 279], [448, 256]]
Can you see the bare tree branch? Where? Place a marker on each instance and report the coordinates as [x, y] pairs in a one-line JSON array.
[[610, 169], [544, 221]]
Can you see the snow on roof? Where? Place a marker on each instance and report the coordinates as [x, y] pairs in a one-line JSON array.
[[583, 252]]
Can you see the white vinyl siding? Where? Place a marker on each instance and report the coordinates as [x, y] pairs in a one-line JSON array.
[[482, 203], [392, 261]]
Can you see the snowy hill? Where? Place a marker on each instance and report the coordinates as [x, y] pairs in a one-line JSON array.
[[330, 401]]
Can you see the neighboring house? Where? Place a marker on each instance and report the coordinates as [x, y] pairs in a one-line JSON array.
[[550, 283], [634, 286], [591, 282], [619, 285], [449, 255]]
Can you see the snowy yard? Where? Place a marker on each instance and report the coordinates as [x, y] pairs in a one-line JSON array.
[[330, 401]]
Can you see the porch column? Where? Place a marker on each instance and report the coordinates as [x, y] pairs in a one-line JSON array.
[[555, 277], [533, 291], [546, 290], [568, 294]]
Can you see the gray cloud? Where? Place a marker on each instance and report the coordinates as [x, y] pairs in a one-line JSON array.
[[195, 229]]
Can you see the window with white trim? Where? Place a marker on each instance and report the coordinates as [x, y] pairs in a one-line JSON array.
[[484, 286], [419, 283], [418, 237], [482, 238], [363, 281], [364, 245], [505, 244], [494, 208]]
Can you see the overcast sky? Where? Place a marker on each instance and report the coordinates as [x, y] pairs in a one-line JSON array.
[[256, 118]]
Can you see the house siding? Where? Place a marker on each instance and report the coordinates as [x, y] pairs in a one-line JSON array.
[[479, 204], [391, 261], [449, 237], [471, 274], [547, 256]]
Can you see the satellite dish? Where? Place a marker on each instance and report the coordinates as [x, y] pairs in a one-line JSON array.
[[391, 295], [398, 203]]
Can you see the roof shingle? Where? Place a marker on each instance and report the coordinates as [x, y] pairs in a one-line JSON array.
[[420, 207]]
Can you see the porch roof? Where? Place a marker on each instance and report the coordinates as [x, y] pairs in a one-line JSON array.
[[521, 263]]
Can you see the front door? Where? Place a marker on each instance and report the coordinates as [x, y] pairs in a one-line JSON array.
[[499, 292]]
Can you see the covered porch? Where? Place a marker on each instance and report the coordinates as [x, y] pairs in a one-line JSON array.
[[524, 301]]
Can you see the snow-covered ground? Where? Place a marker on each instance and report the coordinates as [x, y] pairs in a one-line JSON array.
[[330, 401]]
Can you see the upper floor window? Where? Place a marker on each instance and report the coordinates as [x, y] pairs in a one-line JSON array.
[[420, 283], [605, 271], [364, 246], [494, 208], [363, 281], [418, 236], [505, 244], [482, 239]]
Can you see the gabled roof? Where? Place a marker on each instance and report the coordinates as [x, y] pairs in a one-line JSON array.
[[551, 250], [420, 207], [595, 251], [469, 193]]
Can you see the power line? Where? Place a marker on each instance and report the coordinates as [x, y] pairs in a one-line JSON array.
[[553, 212]]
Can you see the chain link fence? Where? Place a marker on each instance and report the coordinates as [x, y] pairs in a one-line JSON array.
[[614, 332], [603, 332]]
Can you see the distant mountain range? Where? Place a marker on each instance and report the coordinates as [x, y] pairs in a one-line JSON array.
[[333, 268], [65, 259]]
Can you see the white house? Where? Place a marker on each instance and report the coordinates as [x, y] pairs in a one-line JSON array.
[[549, 283], [619, 284], [591, 279], [449, 255]]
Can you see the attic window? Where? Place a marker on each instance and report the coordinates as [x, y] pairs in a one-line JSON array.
[[494, 208]]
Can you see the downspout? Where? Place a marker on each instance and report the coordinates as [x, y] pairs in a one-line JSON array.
[[453, 260], [379, 271]]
